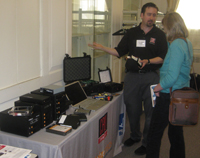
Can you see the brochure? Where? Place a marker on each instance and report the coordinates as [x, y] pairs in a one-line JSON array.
[[153, 96], [7, 151]]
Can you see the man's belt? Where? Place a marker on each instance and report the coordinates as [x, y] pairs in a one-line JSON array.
[[142, 71]]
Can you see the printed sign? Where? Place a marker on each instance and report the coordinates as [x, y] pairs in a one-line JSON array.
[[102, 128], [121, 124]]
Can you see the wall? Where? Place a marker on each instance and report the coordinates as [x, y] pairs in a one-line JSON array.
[[35, 35], [161, 4]]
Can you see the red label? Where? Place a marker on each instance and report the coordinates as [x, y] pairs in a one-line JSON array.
[[102, 128], [2, 146]]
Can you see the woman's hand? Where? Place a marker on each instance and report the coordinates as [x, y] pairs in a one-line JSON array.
[[157, 89]]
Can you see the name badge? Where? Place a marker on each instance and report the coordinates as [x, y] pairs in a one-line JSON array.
[[141, 43]]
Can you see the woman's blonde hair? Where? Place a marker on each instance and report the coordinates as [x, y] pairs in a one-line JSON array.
[[174, 26]]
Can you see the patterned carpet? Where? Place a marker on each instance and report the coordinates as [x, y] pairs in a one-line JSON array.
[[192, 143]]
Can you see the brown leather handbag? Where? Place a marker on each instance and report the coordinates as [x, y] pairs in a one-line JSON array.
[[184, 107]]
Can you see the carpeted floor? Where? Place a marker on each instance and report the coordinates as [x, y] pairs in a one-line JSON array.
[[192, 143]]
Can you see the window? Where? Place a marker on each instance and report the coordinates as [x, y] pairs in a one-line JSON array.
[[189, 12]]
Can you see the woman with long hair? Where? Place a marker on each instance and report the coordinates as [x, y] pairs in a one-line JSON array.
[[175, 74]]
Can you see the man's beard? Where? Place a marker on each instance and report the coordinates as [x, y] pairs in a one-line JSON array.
[[149, 23]]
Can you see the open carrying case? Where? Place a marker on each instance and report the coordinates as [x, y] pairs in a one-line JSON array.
[[79, 69], [76, 68], [105, 77]]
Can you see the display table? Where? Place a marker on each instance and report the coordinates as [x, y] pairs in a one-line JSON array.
[[101, 135]]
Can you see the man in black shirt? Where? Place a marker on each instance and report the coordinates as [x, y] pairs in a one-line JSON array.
[[146, 47]]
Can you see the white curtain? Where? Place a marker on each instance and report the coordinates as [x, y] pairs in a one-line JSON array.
[[172, 5]]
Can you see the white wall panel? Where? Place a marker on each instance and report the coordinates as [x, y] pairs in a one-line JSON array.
[[27, 31], [19, 49], [34, 37], [58, 33], [8, 54]]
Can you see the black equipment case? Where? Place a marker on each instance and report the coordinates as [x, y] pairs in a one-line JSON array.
[[79, 69], [20, 125], [76, 68], [92, 87], [106, 78], [44, 105], [59, 102]]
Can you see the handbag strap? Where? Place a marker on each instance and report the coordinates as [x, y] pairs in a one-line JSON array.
[[192, 64], [192, 67], [195, 81]]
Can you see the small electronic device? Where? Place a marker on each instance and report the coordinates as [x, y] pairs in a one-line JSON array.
[[52, 89], [103, 97], [136, 59], [82, 111], [21, 111], [69, 120], [82, 117], [139, 63]]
